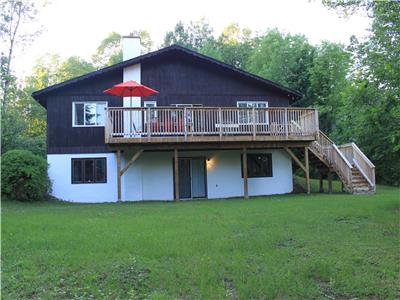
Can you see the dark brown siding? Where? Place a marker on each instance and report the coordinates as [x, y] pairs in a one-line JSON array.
[[62, 138], [180, 80]]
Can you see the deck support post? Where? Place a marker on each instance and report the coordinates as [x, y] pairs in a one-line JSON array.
[[119, 174], [330, 181], [176, 175], [245, 178], [307, 170], [321, 182]]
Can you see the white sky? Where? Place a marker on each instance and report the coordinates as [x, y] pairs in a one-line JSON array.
[[76, 27]]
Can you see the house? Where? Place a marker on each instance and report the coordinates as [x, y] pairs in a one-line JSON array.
[[212, 131]]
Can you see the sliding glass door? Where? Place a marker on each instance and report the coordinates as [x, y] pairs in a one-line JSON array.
[[192, 178]]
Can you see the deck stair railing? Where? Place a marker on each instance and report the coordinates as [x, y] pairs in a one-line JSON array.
[[344, 160], [140, 122], [359, 160]]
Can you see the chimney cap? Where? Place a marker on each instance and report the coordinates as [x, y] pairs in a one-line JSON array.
[[131, 36]]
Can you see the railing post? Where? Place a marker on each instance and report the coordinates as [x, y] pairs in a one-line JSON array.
[[119, 190], [108, 127], [220, 121], [245, 174], [185, 123], [148, 121], [253, 111], [286, 124], [316, 121]]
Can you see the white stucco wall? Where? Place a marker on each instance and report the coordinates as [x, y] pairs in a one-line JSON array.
[[151, 176], [60, 175], [224, 177]]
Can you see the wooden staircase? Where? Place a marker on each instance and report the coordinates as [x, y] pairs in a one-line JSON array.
[[354, 169]]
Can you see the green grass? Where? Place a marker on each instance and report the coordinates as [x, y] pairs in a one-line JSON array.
[[282, 247]]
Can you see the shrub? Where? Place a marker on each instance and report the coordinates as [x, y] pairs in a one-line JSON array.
[[24, 176]]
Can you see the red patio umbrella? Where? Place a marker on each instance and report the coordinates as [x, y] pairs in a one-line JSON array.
[[131, 89]]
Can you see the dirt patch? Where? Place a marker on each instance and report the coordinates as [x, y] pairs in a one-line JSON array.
[[328, 292], [230, 289]]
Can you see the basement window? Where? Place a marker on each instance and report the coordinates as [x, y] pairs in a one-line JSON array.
[[258, 165], [88, 170], [88, 114]]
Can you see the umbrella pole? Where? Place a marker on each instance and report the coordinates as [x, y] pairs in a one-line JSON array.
[[130, 119]]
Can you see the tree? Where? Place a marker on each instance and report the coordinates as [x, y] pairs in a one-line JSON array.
[[372, 106], [24, 122], [194, 36], [286, 59], [328, 72], [109, 51], [233, 46], [13, 14]]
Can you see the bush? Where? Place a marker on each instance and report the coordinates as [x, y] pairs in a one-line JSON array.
[[24, 176]]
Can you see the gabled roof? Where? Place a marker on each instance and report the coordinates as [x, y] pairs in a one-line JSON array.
[[177, 49]]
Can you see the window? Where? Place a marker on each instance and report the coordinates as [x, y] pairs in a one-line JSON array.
[[88, 113], [150, 103], [250, 104], [187, 105], [258, 165], [153, 114], [89, 170], [246, 117]]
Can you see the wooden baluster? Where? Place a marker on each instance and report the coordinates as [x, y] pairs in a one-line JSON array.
[[253, 112], [286, 123], [185, 121], [220, 121], [148, 117]]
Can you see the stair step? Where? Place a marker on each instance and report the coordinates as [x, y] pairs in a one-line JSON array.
[[361, 187], [361, 180], [362, 191]]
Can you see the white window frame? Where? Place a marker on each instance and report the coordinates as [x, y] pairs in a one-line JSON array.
[[187, 105], [247, 102], [154, 113], [145, 103], [251, 102], [84, 103]]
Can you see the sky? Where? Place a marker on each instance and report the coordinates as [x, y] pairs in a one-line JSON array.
[[76, 27]]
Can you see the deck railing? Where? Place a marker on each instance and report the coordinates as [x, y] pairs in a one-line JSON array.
[[141, 122]]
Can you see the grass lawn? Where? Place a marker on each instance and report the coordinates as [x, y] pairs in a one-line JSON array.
[[321, 246]]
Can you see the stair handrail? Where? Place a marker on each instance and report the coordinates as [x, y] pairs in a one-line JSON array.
[[363, 174], [363, 164], [342, 156], [325, 136], [343, 166], [327, 148], [323, 145]]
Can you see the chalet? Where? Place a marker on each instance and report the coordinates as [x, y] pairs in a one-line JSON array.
[[212, 131]]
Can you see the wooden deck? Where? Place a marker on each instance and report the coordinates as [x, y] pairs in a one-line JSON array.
[[177, 125]]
